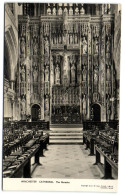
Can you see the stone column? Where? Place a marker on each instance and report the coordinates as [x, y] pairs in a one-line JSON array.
[[88, 70], [103, 75], [12, 82], [42, 71], [5, 105]]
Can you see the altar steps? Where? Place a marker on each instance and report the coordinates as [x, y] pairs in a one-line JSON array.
[[66, 137], [66, 126]]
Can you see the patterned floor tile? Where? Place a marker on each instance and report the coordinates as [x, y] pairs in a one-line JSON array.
[[57, 157]]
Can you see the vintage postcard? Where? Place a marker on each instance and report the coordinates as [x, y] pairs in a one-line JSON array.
[[61, 96]]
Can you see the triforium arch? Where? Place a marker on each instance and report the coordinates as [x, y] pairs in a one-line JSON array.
[[11, 51]]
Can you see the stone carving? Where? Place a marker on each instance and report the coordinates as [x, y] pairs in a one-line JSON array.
[[23, 74], [22, 46], [82, 11], [108, 107], [73, 73], [108, 73], [22, 89], [108, 45], [60, 39], [76, 38], [71, 39], [23, 106], [96, 46], [77, 11], [46, 45], [84, 104], [48, 11], [65, 10], [70, 11], [35, 46], [84, 48], [47, 74], [96, 75], [65, 68], [84, 73], [35, 74], [60, 11], [54, 11], [51, 72], [47, 104], [57, 75]]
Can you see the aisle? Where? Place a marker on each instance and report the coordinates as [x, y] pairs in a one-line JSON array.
[[67, 161]]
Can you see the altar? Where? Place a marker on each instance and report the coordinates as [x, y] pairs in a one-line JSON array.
[[66, 93]]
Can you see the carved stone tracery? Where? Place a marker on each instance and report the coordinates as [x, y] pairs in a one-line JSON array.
[[70, 56]]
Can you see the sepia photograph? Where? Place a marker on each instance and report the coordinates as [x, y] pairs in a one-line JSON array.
[[61, 96]]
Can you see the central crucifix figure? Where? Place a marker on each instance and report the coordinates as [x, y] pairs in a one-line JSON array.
[[65, 69]]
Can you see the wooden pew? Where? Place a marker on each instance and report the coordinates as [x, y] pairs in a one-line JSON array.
[[18, 164], [110, 164]]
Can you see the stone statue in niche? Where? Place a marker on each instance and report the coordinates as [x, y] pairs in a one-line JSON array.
[[47, 104], [108, 107], [46, 44], [35, 46], [71, 39], [47, 74], [84, 48], [48, 11], [77, 11], [52, 76], [65, 10], [108, 73], [23, 105], [82, 11], [23, 73], [84, 73], [84, 104], [73, 69], [35, 74], [54, 11], [22, 88], [60, 38], [57, 75], [96, 75], [22, 46], [76, 38], [51, 71], [65, 67], [108, 45], [60, 11], [96, 46], [35, 89], [70, 11]]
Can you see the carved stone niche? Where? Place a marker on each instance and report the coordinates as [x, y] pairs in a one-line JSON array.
[[22, 73], [35, 73], [84, 73], [46, 103], [96, 45], [35, 46], [108, 44], [96, 97], [22, 46], [46, 73], [84, 45], [46, 45]]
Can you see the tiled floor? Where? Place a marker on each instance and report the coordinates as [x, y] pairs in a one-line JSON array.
[[67, 161]]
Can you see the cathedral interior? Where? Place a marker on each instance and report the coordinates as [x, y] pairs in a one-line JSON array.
[[61, 86]]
